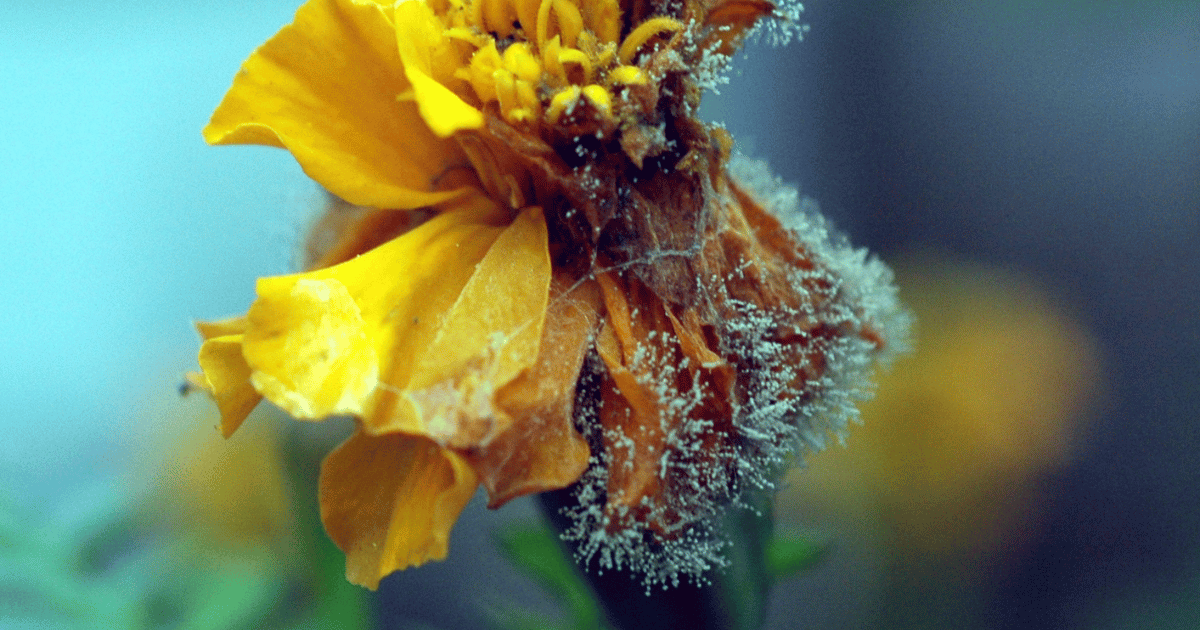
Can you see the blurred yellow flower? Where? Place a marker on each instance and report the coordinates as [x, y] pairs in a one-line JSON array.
[[231, 494], [549, 275], [994, 396]]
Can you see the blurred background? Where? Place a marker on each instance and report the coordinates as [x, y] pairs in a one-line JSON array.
[[1030, 170]]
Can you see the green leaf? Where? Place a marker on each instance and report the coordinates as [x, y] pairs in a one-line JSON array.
[[539, 553], [236, 594], [790, 553]]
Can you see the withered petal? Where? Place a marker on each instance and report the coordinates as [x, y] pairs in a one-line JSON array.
[[444, 386], [227, 379], [542, 450]]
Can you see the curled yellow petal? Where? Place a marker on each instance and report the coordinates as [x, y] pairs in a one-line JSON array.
[[563, 102], [227, 380], [576, 57], [599, 98], [628, 75], [318, 341], [325, 88], [390, 501]]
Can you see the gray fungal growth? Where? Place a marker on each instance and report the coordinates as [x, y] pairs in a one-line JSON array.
[[800, 370]]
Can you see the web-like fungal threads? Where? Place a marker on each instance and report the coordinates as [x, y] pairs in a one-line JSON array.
[[800, 371]]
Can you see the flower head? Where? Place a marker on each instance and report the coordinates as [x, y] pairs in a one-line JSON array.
[[549, 274]]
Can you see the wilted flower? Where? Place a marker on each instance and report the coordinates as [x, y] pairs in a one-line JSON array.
[[552, 274]]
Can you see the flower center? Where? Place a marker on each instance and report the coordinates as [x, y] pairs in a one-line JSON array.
[[548, 62]]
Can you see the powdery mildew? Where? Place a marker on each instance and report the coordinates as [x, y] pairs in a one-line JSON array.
[[785, 409]]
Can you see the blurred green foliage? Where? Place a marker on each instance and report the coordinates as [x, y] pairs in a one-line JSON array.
[[108, 562], [538, 553]]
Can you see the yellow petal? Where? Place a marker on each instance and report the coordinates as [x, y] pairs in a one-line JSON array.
[[309, 348], [443, 110], [316, 341], [542, 450], [502, 307], [429, 59], [390, 501], [227, 379], [444, 386], [325, 87], [220, 328]]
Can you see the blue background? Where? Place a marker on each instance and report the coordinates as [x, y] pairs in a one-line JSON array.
[[121, 225]]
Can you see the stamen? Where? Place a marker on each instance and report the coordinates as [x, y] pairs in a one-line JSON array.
[[570, 55], [527, 12], [563, 46], [474, 15], [499, 16], [554, 68], [570, 22], [600, 98], [484, 63], [608, 54], [604, 19], [528, 98], [543, 23], [563, 102], [506, 91], [521, 115], [587, 43], [642, 34], [627, 75]]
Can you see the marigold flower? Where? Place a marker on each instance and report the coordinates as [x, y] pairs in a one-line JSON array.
[[553, 274]]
